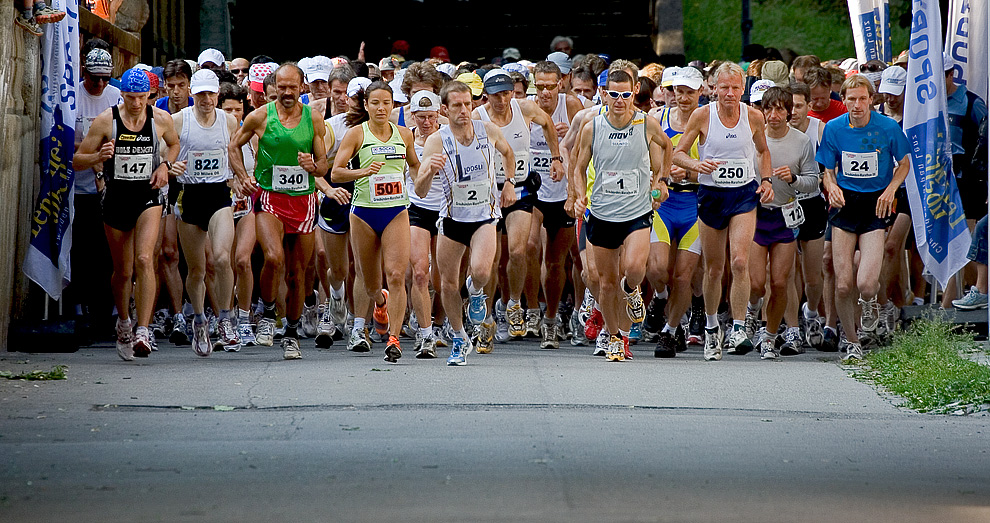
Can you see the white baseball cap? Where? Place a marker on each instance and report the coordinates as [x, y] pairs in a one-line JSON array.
[[320, 68], [424, 101], [356, 85], [666, 79], [204, 80], [893, 80], [948, 62], [759, 87], [688, 77], [211, 55]]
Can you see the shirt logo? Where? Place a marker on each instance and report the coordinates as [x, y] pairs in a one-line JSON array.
[[518, 135], [729, 136], [383, 149], [618, 136]]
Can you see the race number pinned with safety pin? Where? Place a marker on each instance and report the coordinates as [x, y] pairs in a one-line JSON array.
[[132, 167], [289, 178], [733, 172], [793, 214], [387, 187], [859, 165]]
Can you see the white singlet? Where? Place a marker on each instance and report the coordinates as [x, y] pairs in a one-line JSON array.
[[467, 178], [204, 149], [733, 148], [550, 191]]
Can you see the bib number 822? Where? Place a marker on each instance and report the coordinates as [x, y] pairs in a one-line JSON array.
[[208, 164]]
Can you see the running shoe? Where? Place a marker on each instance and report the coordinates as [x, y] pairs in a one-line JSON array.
[[280, 329], [290, 349], [380, 316], [768, 347], [577, 332], [227, 337], [427, 348], [739, 343], [158, 323], [753, 320], [309, 322], [793, 344], [594, 324], [266, 332], [28, 24], [142, 345], [533, 318], [440, 335], [616, 351], [486, 337], [853, 352], [324, 329], [635, 333], [830, 340], [458, 353], [212, 321], [696, 328], [477, 305], [870, 318], [601, 343], [625, 348], [178, 335], [549, 336], [47, 15], [655, 317], [680, 339], [517, 320], [891, 314], [635, 308], [393, 351], [358, 343], [338, 309], [666, 346], [201, 339], [587, 304], [713, 344], [246, 334], [973, 300], [125, 340], [814, 335]]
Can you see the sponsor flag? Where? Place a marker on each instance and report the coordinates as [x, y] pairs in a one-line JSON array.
[[966, 42], [871, 29]]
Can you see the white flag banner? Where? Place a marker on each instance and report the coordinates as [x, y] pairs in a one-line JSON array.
[[47, 259], [966, 42], [936, 209], [871, 29]]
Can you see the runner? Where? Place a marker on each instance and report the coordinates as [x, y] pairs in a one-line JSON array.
[[548, 213], [777, 221], [378, 209], [204, 207], [286, 166], [628, 187], [420, 76], [858, 151], [462, 154], [126, 138], [821, 105], [515, 118], [733, 154]]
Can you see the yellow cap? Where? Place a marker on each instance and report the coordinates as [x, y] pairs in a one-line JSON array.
[[473, 81]]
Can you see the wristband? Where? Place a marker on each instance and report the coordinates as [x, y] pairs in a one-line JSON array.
[[767, 179]]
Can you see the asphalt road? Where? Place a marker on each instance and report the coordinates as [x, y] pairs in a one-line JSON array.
[[517, 435]]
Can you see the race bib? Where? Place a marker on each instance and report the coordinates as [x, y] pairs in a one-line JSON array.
[[793, 214], [133, 167], [620, 183], [241, 206], [387, 187], [860, 165], [735, 172], [205, 164], [541, 161], [286, 178], [522, 171], [471, 195]]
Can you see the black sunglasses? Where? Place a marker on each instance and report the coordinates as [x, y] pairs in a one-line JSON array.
[[239, 71], [98, 79]]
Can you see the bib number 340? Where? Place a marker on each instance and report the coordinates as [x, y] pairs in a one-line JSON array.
[[289, 178]]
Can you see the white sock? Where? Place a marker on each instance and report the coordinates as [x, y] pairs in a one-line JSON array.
[[243, 314], [470, 287], [662, 295], [425, 332], [711, 321], [667, 328], [808, 313], [337, 293], [462, 334], [358, 326], [512, 303]]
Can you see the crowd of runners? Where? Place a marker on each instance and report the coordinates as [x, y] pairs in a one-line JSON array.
[[401, 205]]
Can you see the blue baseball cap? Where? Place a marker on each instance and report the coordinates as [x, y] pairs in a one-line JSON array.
[[135, 80], [498, 80], [603, 78]]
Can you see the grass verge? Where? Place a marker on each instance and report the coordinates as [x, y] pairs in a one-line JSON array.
[[924, 365]]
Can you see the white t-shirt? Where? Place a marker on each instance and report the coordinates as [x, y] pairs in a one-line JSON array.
[[88, 108]]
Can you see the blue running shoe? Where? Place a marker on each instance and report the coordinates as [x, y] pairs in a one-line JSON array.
[[636, 332], [458, 353], [478, 308]]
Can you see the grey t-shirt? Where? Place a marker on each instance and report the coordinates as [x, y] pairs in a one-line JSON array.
[[796, 151]]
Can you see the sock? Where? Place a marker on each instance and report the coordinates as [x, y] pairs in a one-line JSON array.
[[243, 315], [918, 301], [425, 332], [512, 303], [358, 326], [738, 324], [224, 314], [269, 311], [337, 293], [471, 288], [808, 313], [625, 286], [141, 330], [310, 300], [291, 328], [490, 318], [623, 334], [577, 310], [200, 317], [753, 307], [27, 13], [667, 328], [711, 321], [462, 334], [550, 321], [661, 295]]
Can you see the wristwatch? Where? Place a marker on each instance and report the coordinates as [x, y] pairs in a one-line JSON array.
[[558, 158], [511, 180], [767, 179]]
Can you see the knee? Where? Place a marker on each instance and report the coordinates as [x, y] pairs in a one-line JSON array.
[[220, 259], [827, 262], [143, 263], [869, 287], [518, 251], [739, 265], [243, 264], [421, 274], [778, 286], [395, 276], [274, 259], [845, 288], [170, 254]]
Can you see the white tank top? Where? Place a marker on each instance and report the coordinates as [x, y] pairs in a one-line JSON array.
[[550, 191], [733, 147], [814, 124], [204, 149], [466, 179], [517, 134], [434, 199]]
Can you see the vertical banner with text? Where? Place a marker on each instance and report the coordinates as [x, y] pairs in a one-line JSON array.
[[871, 29], [47, 260], [966, 42]]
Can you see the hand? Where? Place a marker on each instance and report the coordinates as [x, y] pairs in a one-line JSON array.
[[339, 195], [159, 178], [580, 205], [569, 207], [248, 185], [436, 162], [677, 173], [556, 170], [784, 173], [707, 167], [562, 128], [765, 190], [885, 203], [508, 195], [178, 168], [373, 168], [106, 151], [835, 196], [307, 162], [664, 194]]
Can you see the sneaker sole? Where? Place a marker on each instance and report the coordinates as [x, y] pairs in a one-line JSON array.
[[324, 340], [615, 357], [426, 355], [744, 348], [392, 354], [361, 347], [292, 355]]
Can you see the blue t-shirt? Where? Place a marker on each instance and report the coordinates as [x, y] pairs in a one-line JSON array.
[[162, 103], [957, 103], [867, 152]]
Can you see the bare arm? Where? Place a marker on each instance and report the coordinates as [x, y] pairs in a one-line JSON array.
[[583, 151], [758, 124], [253, 126], [348, 148], [315, 163], [411, 159], [660, 138], [693, 130], [163, 121]]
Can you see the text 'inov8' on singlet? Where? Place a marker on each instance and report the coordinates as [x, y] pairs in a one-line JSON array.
[[387, 188], [204, 149], [467, 179], [539, 150], [733, 149], [517, 134], [278, 161], [621, 157]]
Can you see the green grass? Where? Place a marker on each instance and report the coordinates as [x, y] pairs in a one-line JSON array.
[[712, 28], [924, 366], [57, 373]]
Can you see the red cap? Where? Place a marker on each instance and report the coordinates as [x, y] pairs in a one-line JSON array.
[[440, 52], [400, 47], [153, 78]]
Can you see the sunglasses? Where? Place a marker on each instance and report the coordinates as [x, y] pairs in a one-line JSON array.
[[239, 71], [615, 94], [98, 79]]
